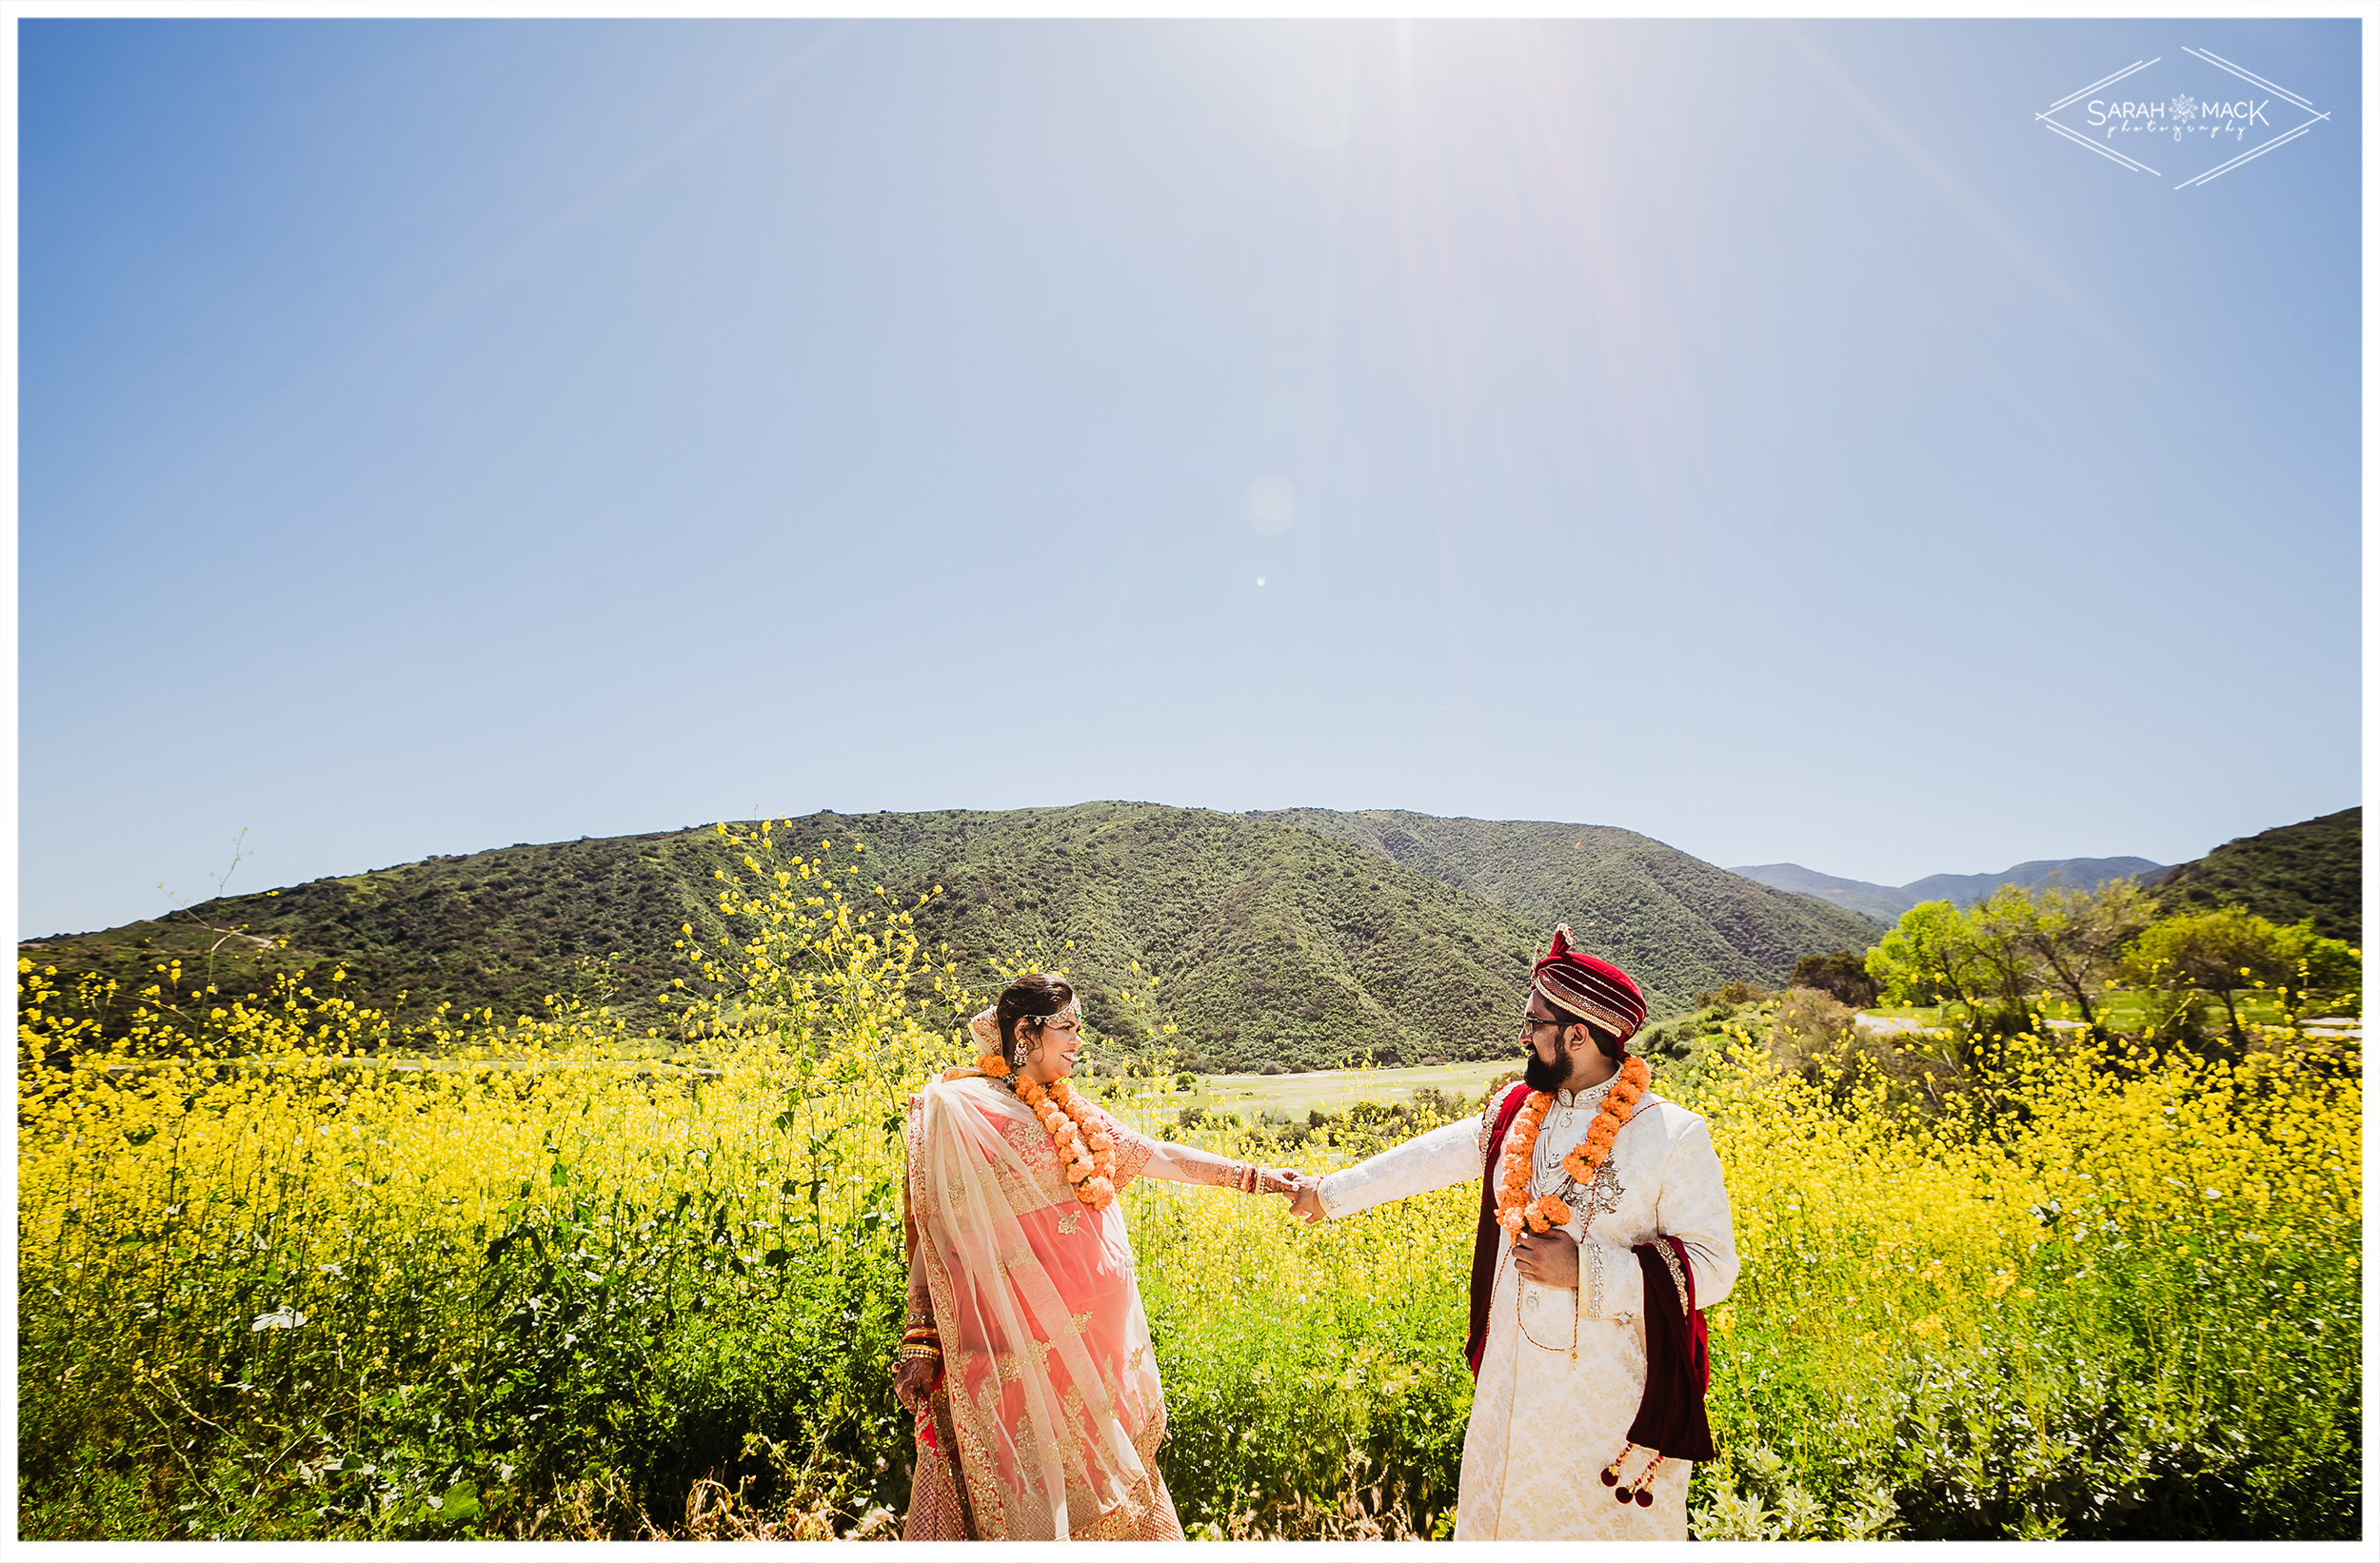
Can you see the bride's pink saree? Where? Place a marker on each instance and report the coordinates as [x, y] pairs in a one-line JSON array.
[[1054, 1399]]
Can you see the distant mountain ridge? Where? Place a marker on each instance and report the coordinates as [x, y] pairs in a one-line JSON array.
[[1303, 937], [1887, 903], [2311, 869]]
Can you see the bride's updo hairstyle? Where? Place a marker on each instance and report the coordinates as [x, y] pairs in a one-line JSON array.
[[1023, 1006]]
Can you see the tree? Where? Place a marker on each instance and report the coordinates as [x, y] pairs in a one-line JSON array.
[[2000, 929], [2012, 946], [1929, 957], [2077, 937], [2321, 969], [2221, 953]]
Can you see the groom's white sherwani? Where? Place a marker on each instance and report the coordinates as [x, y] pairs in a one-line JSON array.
[[1564, 1370]]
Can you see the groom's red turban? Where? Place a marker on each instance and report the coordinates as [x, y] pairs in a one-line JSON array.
[[1584, 985]]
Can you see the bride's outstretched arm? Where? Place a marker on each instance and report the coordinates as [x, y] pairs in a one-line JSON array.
[[1180, 1163], [1143, 1156]]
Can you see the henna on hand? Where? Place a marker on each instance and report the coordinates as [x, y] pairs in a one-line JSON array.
[[1207, 1168], [913, 1382]]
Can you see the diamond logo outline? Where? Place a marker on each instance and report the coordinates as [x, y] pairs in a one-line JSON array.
[[2181, 110]]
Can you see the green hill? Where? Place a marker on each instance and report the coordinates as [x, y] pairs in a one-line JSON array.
[[1678, 925], [1276, 944], [592, 919], [2314, 869], [1300, 939]]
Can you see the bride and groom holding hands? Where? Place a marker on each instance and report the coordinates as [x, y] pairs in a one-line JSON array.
[[1603, 1233]]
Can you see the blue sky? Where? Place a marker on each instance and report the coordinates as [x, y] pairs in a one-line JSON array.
[[436, 435]]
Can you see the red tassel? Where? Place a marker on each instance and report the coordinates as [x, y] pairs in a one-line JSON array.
[[1644, 1482]]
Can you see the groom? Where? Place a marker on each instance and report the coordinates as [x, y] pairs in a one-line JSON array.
[[1603, 1233]]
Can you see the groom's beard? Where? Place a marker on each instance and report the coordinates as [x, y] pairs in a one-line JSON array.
[[1548, 1078]]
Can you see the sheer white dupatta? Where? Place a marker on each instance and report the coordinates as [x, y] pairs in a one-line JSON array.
[[1021, 1275]]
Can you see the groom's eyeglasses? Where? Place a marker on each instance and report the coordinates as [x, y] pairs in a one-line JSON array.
[[1530, 1025]]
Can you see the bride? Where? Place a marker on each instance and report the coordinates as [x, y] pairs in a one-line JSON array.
[[1027, 1354]]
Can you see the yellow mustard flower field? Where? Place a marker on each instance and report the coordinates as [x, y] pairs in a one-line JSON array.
[[285, 1273]]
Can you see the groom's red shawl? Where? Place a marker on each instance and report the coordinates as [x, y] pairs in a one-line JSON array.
[[1676, 1345], [1676, 1357], [1484, 1250]]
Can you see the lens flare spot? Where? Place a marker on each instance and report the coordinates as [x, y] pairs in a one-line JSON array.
[[1272, 504]]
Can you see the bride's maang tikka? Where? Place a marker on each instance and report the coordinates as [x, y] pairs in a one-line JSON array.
[[986, 1025]]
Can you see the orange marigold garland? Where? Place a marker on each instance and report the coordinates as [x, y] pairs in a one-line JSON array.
[[1086, 1150], [1620, 1105], [1514, 1208], [1086, 1153]]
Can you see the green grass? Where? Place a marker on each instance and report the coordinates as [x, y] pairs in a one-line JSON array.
[[1333, 1090]]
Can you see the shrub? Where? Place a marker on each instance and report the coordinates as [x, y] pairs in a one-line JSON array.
[[1844, 975]]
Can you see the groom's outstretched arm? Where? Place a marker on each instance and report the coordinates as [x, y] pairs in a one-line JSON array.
[[1438, 1160]]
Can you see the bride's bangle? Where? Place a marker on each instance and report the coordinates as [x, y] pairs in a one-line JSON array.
[[1247, 1177]]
